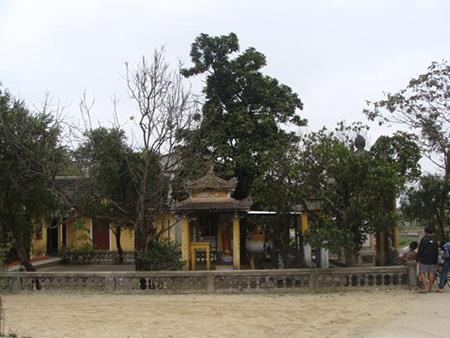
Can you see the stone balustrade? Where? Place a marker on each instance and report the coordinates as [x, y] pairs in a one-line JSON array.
[[216, 281], [96, 257], [111, 257]]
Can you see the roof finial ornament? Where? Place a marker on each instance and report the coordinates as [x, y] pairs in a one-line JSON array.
[[360, 143], [211, 168]]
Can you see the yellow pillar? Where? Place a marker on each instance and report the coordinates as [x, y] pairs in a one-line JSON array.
[[185, 241], [60, 236], [304, 222], [219, 238], [236, 243]]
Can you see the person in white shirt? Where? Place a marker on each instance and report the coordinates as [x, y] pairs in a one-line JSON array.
[[408, 253]]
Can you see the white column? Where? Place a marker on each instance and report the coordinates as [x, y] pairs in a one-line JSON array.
[[324, 262], [236, 243], [307, 255]]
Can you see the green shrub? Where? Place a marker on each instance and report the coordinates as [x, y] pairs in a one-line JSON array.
[[162, 255]]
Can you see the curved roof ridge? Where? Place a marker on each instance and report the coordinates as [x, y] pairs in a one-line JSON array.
[[211, 182]]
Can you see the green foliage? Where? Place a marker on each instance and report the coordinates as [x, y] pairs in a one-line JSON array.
[[355, 190], [402, 151], [325, 233], [119, 179], [114, 171], [30, 157], [277, 190], [6, 244], [79, 224], [243, 112], [428, 203], [110, 196], [83, 236], [161, 255]]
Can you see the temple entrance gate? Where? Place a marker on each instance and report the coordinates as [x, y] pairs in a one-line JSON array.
[[210, 223]]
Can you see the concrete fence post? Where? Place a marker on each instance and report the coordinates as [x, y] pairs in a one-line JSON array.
[[210, 283], [412, 274], [110, 284], [313, 280], [15, 284]]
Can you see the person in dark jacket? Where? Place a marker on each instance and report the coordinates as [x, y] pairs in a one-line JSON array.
[[427, 256]]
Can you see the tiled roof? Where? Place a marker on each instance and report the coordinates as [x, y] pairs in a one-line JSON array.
[[73, 184], [211, 182]]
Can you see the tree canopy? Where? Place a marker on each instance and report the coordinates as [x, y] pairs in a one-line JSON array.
[[30, 158], [428, 204], [354, 188], [424, 107], [102, 157], [244, 112]]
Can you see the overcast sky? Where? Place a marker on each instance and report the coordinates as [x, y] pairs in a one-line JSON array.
[[334, 54]]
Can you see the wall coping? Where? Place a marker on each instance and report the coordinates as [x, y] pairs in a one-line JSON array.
[[215, 281], [348, 270]]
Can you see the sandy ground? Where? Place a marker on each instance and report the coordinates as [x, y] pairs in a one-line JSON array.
[[428, 317], [352, 314]]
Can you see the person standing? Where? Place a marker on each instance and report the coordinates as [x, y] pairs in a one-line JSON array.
[[427, 256], [445, 266]]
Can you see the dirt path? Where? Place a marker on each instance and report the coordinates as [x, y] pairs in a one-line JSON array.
[[352, 314]]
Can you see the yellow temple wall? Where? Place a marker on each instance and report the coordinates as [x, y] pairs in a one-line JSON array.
[[39, 243], [79, 234], [126, 240], [167, 222], [81, 237]]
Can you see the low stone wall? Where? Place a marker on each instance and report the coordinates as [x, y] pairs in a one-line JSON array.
[[244, 281], [96, 257]]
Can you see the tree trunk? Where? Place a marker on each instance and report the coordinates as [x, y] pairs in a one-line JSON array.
[[25, 261], [447, 166], [350, 257], [144, 238], [440, 230], [141, 222], [22, 249], [388, 248], [379, 247], [139, 247], [117, 235], [24, 258]]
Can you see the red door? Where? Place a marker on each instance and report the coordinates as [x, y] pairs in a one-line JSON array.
[[100, 235]]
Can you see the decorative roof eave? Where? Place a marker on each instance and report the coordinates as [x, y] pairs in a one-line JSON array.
[[229, 204]]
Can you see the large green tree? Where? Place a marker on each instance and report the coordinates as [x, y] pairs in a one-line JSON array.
[[110, 196], [397, 158], [244, 113], [278, 190], [334, 175], [355, 188], [30, 157]]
